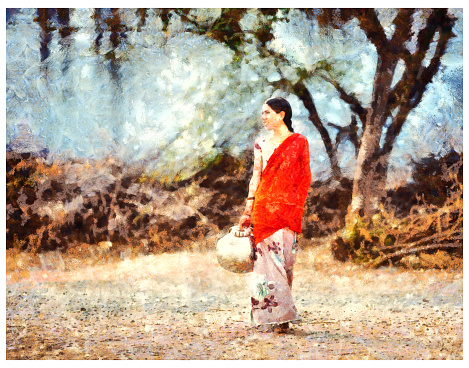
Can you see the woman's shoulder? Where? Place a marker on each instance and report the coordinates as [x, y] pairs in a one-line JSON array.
[[300, 137]]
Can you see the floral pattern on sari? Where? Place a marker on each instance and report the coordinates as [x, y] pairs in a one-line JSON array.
[[271, 300]]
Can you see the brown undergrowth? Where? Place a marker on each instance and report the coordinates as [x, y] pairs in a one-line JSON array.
[[108, 209], [430, 236]]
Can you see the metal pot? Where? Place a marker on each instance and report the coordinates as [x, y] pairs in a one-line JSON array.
[[234, 251]]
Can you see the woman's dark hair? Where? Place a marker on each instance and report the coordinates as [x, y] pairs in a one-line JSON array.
[[280, 104]]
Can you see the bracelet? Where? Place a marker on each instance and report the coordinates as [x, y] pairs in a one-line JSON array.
[[250, 198]]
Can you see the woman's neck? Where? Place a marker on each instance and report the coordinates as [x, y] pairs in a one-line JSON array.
[[281, 133]]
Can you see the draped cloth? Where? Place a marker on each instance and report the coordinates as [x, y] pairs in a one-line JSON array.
[[271, 279], [281, 193], [276, 218]]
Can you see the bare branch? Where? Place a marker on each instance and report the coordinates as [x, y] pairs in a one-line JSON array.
[[427, 74], [402, 33], [404, 252], [409, 91], [353, 102], [413, 63], [373, 29], [394, 129], [305, 96], [347, 132], [425, 36], [329, 17]]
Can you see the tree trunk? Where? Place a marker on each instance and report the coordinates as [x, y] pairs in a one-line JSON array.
[[44, 18], [367, 182], [392, 133]]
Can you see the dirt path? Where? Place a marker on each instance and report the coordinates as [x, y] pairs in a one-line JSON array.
[[183, 306]]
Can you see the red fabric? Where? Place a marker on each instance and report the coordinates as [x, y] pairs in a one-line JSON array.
[[281, 194]]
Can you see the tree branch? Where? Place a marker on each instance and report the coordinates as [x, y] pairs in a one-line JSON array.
[[409, 91], [304, 95], [226, 29], [353, 102], [347, 132], [404, 252], [427, 74], [413, 63], [373, 29], [394, 130], [402, 33]]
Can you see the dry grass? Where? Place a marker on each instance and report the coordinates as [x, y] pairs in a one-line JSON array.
[[184, 306], [429, 237]]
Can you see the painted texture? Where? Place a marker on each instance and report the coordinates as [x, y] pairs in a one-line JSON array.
[[128, 156]]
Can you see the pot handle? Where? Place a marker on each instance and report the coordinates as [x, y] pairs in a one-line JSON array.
[[240, 233]]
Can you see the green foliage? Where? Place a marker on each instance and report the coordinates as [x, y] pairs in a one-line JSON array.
[[302, 73], [324, 65], [208, 163], [367, 238], [226, 29]]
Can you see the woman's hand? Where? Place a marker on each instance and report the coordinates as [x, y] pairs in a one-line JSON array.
[[244, 221]]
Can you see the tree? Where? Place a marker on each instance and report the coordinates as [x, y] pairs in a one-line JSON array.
[[420, 51], [407, 58], [388, 101], [227, 28]]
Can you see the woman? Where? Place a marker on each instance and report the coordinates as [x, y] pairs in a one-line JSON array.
[[277, 193]]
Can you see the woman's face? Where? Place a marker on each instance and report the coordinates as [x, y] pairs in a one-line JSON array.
[[271, 119]]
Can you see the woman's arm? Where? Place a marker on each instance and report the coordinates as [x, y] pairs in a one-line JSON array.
[[245, 220]]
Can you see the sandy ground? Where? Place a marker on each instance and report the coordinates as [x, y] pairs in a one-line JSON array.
[[184, 306]]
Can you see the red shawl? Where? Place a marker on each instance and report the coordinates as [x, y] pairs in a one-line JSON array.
[[281, 194]]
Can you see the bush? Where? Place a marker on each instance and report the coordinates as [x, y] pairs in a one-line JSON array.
[[433, 224]]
